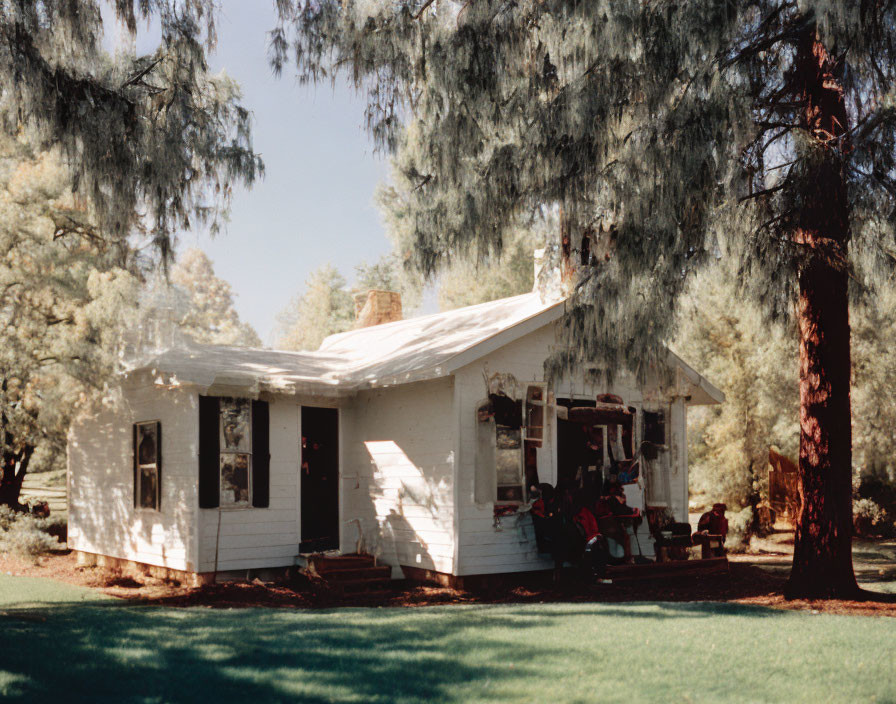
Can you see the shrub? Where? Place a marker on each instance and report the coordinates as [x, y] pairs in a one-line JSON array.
[[870, 519], [26, 535], [739, 530]]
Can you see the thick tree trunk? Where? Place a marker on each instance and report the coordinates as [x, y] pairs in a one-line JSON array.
[[822, 559], [15, 467]]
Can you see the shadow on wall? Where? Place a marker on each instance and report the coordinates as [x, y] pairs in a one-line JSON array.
[[406, 508], [101, 491]]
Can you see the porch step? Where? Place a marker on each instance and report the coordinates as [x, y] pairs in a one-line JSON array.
[[352, 575], [334, 563]]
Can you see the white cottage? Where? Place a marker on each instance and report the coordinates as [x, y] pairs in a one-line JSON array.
[[416, 440]]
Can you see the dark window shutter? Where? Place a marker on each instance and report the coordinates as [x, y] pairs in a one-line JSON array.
[[261, 455], [209, 449], [159, 466], [136, 470]]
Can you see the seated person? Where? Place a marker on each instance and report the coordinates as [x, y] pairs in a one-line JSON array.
[[609, 510], [584, 518], [552, 527], [712, 522]]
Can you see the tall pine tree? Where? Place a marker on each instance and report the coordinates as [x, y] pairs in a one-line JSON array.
[[143, 145], [658, 129]]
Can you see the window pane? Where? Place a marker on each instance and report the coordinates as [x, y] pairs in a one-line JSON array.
[[235, 419], [507, 464], [508, 438], [147, 443], [148, 488], [234, 479]]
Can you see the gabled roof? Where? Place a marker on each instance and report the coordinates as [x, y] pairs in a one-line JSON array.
[[435, 345], [393, 353], [415, 349]]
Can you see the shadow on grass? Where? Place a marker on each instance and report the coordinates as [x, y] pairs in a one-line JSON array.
[[106, 651]]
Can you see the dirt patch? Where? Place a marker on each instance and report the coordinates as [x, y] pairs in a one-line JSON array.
[[747, 583]]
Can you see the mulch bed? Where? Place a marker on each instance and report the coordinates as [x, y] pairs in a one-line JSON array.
[[746, 584]]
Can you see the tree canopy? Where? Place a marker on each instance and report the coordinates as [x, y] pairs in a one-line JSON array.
[[650, 119], [67, 295], [324, 308], [663, 133], [102, 153], [210, 316], [153, 142]]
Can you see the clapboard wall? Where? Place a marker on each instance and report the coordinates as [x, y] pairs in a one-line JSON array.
[[102, 517], [255, 538], [398, 474]]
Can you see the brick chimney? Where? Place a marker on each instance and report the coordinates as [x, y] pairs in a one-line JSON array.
[[377, 307]]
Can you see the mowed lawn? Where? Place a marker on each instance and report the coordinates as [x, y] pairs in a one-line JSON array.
[[64, 643]]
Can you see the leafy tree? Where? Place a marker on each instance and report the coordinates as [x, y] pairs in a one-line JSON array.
[[67, 294], [751, 360], [388, 274], [155, 140], [144, 144], [874, 371], [462, 279], [749, 357], [325, 308], [210, 316], [658, 129]]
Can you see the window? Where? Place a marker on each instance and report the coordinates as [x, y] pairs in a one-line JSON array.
[[236, 451], [234, 458], [509, 464], [655, 427], [509, 433], [147, 464]]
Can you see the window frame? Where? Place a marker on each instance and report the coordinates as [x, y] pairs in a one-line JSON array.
[[224, 451], [530, 406], [138, 467]]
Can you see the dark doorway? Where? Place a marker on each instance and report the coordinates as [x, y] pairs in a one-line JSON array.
[[320, 479]]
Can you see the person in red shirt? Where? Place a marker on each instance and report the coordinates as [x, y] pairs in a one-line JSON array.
[[609, 509], [713, 522]]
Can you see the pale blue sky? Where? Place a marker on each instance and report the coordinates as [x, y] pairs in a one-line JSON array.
[[315, 203]]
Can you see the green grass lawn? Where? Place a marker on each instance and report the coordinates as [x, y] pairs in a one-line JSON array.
[[66, 644]]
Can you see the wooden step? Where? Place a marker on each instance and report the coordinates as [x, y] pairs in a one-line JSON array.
[[348, 575], [325, 563]]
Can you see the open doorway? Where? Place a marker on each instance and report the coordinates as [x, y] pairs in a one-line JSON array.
[[320, 479], [595, 444]]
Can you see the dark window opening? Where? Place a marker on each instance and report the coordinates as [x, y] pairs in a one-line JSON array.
[[147, 464], [655, 427]]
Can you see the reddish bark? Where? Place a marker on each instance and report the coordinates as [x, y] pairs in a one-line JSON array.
[[822, 560]]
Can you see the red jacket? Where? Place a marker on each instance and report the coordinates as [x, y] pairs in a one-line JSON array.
[[588, 522]]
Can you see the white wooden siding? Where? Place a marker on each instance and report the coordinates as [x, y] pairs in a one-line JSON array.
[[252, 538], [398, 474], [102, 518]]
